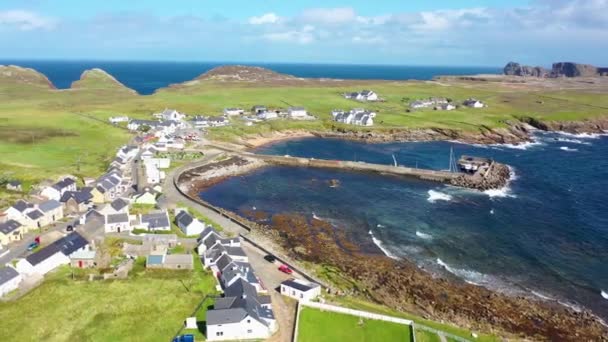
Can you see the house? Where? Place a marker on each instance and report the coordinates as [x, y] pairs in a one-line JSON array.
[[147, 196], [236, 270], [170, 261], [135, 125], [255, 110], [71, 244], [10, 231], [155, 221], [84, 258], [445, 106], [297, 112], [473, 103], [364, 95], [300, 290], [161, 163], [9, 280], [76, 201], [43, 261], [207, 236], [108, 186], [56, 190], [153, 174], [52, 211], [419, 104], [13, 185], [217, 250], [188, 224], [218, 121], [117, 206], [116, 223], [92, 216], [357, 116], [34, 219], [18, 210], [267, 115], [233, 111], [118, 119], [200, 122], [240, 315], [172, 115]]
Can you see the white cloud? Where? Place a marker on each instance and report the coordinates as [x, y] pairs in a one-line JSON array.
[[25, 20], [328, 16], [268, 18], [304, 36]]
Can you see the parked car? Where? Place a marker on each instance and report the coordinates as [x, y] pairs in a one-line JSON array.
[[69, 228], [32, 246], [270, 258], [285, 269]]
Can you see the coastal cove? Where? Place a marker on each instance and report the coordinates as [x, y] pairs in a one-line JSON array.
[[543, 236]]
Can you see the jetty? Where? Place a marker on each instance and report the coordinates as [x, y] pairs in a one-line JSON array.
[[487, 174]]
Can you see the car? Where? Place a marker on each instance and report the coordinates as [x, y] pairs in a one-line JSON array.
[[270, 258], [32, 246], [69, 228], [184, 338], [285, 269]]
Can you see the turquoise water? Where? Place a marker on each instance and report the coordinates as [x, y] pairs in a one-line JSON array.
[[146, 77], [546, 234]]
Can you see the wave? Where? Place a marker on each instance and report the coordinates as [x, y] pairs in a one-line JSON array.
[[380, 245], [505, 191], [582, 135], [471, 277], [522, 146], [573, 141], [605, 294], [438, 196], [568, 149], [424, 236]]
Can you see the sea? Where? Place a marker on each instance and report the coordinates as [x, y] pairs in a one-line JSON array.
[[147, 77], [544, 235]]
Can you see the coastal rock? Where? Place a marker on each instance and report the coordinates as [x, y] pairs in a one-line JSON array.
[[569, 69], [516, 69], [560, 69], [99, 79], [240, 73], [11, 74]]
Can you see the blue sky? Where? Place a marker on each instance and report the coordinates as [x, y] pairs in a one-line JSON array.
[[440, 32]]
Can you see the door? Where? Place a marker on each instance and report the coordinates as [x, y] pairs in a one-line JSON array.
[[79, 263]]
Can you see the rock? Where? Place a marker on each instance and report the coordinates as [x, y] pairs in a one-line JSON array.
[[569, 69], [516, 69], [560, 69]]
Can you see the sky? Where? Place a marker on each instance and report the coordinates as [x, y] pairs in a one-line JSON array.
[[439, 32]]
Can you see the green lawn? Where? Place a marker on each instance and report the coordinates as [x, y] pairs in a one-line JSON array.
[[425, 336], [149, 306], [319, 326]]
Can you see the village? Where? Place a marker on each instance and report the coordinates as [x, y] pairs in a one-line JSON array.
[[66, 223]]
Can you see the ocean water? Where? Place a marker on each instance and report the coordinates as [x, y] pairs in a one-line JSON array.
[[544, 235], [147, 77]]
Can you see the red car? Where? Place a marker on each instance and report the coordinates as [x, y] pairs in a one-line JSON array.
[[285, 269]]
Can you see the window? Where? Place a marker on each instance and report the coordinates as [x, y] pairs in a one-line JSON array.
[[249, 331], [219, 333], [301, 295], [248, 321]]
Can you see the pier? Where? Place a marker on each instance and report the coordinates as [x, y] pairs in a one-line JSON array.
[[492, 176]]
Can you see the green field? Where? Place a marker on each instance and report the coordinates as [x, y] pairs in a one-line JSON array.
[[320, 326], [149, 306]]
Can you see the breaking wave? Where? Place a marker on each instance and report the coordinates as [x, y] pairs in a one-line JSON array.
[[471, 277], [505, 191], [523, 146], [568, 149], [573, 141], [605, 294], [380, 245], [424, 236], [438, 196], [581, 135]]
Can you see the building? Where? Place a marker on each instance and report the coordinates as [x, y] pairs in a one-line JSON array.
[[240, 315], [108, 186], [18, 211], [116, 223], [10, 231], [76, 201], [445, 106], [218, 121], [300, 290], [256, 110], [34, 219], [118, 119], [268, 115], [14, 185], [364, 95], [297, 112], [171, 115], [236, 270], [43, 261], [84, 258], [473, 164], [147, 196], [233, 111], [52, 211], [473, 103], [135, 125], [188, 224], [357, 116], [56, 190], [155, 221], [118, 206], [9, 280]]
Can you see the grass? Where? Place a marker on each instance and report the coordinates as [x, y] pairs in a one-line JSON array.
[[318, 326], [426, 336], [149, 306]]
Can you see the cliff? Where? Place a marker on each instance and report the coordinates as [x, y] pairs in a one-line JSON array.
[[560, 69], [516, 69], [11, 75]]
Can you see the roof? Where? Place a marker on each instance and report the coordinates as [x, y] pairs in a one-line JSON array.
[[297, 108], [49, 205], [160, 238], [184, 219], [119, 204], [9, 226], [7, 274], [154, 260], [64, 183], [238, 251], [35, 214], [206, 232], [14, 183], [242, 269], [156, 220], [22, 205], [78, 196], [71, 243], [117, 218], [179, 259], [210, 241], [223, 261], [225, 316], [43, 254], [299, 285]]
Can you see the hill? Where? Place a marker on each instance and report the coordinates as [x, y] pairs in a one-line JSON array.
[[99, 79]]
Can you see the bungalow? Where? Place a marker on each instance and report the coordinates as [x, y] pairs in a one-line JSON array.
[[218, 121], [117, 223], [18, 210], [445, 106], [155, 221], [233, 111], [52, 210], [300, 290], [56, 190], [364, 95], [34, 219], [118, 119], [240, 315], [83, 258], [188, 224], [10, 231], [9, 280], [76, 201], [43, 261], [147, 196], [297, 112], [13, 185], [473, 103], [268, 115]]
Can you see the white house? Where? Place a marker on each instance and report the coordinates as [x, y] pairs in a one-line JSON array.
[[147, 196], [445, 106], [18, 211], [364, 95], [357, 116], [161, 163], [268, 115], [297, 112], [118, 119], [156, 221], [473, 103], [117, 223], [9, 280], [233, 111], [188, 224], [240, 315], [153, 174], [300, 289], [43, 261], [172, 114], [56, 190]]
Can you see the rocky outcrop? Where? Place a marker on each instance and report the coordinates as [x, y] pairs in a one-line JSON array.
[[99, 79], [516, 69], [240, 73], [10, 74], [560, 69]]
